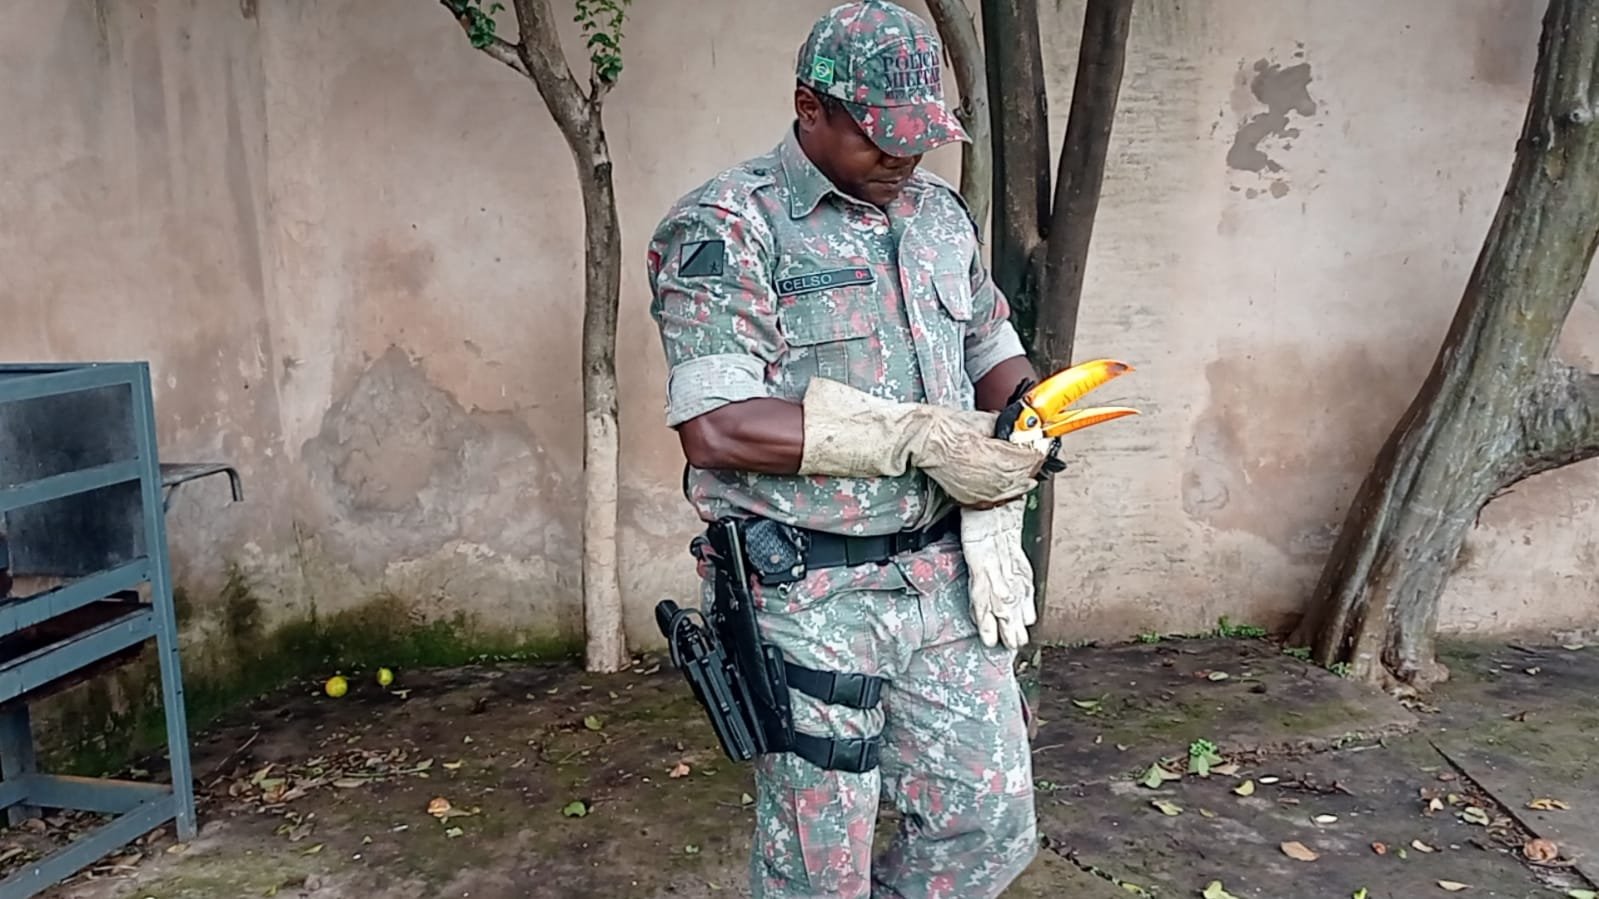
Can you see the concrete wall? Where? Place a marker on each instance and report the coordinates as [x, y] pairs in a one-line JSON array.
[[350, 247]]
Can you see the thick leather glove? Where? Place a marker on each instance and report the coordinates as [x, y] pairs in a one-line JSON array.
[[850, 433], [1001, 577]]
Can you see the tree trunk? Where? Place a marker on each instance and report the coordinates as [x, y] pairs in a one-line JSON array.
[[606, 648], [1040, 267], [959, 31], [1495, 408], [1020, 127], [1101, 58], [538, 57]]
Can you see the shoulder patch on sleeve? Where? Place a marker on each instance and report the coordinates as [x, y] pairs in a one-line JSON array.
[[701, 259]]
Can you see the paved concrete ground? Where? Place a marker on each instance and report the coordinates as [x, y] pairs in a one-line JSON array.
[[1280, 781]]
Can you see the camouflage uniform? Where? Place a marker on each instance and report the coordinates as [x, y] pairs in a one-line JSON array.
[[763, 278]]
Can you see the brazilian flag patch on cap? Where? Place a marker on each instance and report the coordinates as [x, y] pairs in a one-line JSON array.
[[821, 69]]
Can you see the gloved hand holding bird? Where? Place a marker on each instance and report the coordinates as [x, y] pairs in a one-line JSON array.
[[850, 432], [1038, 416]]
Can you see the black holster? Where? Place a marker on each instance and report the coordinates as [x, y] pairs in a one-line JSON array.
[[742, 681]]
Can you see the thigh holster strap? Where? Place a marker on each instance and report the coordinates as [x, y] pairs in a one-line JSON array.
[[856, 756], [858, 691]]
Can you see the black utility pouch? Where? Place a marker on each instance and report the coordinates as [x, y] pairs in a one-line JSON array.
[[775, 550]]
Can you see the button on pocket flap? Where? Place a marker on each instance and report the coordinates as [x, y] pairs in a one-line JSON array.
[[954, 291], [847, 314]]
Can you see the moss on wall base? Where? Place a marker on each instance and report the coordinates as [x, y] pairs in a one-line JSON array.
[[101, 726]]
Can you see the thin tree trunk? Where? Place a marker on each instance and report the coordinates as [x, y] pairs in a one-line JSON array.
[[1101, 58], [1020, 126], [1496, 407], [602, 277], [1041, 249], [538, 57], [959, 31]]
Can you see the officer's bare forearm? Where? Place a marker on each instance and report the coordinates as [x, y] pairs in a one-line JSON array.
[[994, 389], [765, 435]]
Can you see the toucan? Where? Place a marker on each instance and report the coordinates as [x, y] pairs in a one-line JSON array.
[[1038, 414]]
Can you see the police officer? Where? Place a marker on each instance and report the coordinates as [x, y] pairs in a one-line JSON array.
[[836, 353]]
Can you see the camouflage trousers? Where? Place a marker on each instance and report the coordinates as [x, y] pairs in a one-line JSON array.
[[955, 759]]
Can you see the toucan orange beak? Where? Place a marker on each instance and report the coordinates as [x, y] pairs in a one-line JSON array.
[[1042, 412]]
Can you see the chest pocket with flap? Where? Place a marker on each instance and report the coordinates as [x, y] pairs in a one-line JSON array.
[[831, 332]]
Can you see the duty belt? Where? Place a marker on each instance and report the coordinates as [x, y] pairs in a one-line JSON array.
[[781, 553], [823, 550]]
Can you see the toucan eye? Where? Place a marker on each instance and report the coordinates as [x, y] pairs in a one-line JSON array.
[[1031, 421]]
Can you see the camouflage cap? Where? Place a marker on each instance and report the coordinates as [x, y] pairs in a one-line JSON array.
[[886, 64]]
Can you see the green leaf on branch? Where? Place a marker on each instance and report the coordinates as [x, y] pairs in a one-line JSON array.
[[602, 21]]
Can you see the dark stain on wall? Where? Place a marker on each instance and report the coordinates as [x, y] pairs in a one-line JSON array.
[[401, 468], [241, 191], [1285, 439], [1282, 91]]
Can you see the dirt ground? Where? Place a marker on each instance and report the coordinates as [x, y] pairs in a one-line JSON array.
[[1178, 768]]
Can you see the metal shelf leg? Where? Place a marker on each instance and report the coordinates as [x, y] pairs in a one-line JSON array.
[[166, 633], [17, 755]]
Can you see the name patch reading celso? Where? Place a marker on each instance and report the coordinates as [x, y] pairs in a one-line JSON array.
[[838, 277]]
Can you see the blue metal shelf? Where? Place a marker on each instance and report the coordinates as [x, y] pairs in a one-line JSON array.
[[22, 612], [70, 483], [83, 498], [61, 658]]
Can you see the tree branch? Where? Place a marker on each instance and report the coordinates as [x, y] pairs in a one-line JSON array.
[[1560, 421], [1101, 59], [497, 48], [546, 65], [959, 30]]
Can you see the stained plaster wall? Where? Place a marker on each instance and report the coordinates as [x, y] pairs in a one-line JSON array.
[[350, 247]]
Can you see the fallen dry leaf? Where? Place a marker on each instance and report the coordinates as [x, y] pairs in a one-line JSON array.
[[1299, 851], [1540, 850], [1168, 809], [1419, 846], [439, 807], [1452, 886], [1379, 848], [1157, 775], [680, 770], [1247, 788], [1474, 815], [1548, 805]]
